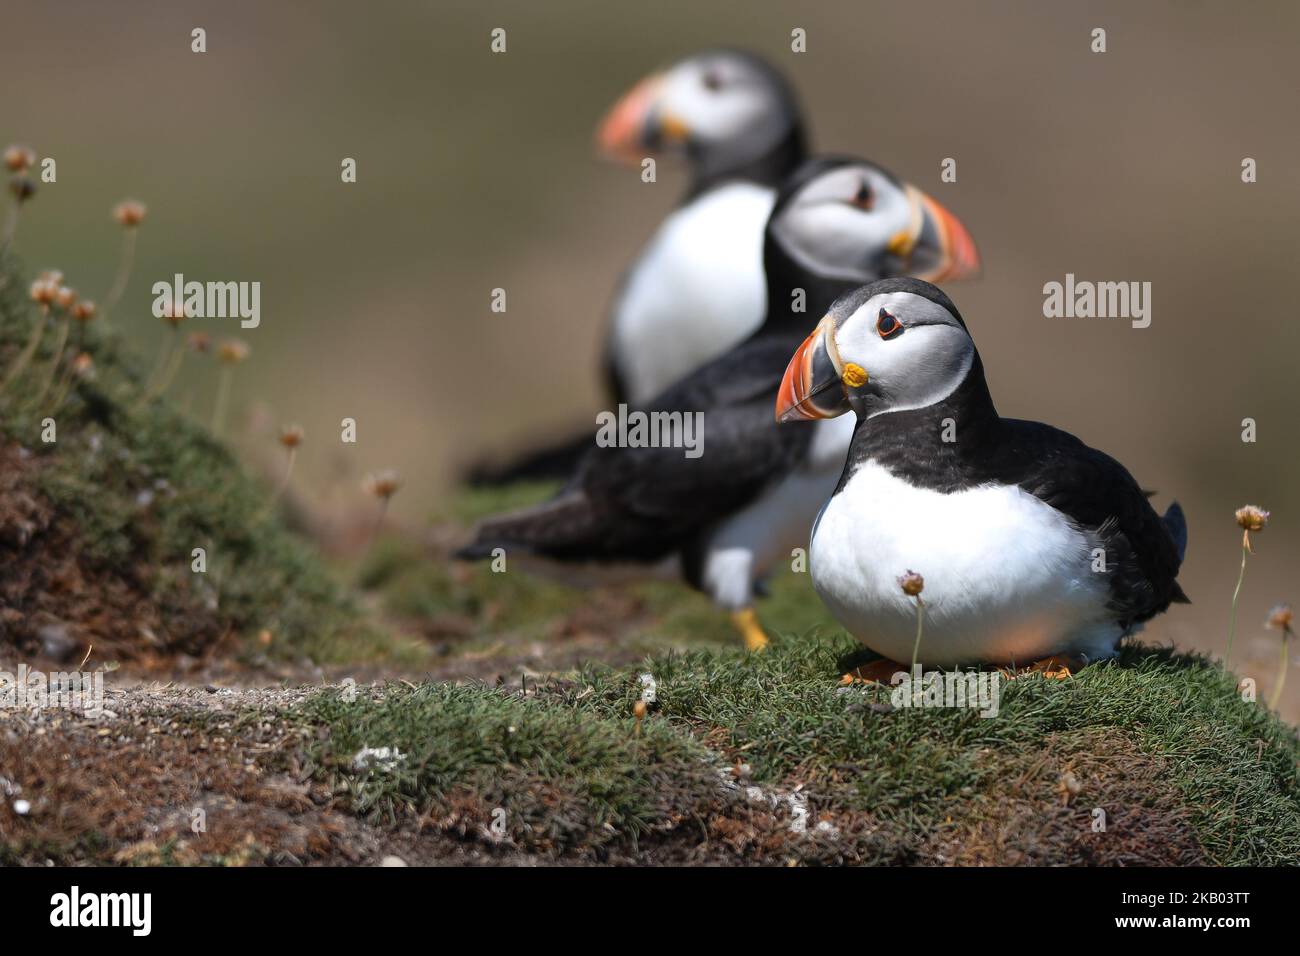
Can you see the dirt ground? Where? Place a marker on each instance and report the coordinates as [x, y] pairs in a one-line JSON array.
[[175, 774]]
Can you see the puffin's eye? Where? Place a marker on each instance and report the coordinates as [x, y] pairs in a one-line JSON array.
[[864, 198], [887, 324], [712, 80]]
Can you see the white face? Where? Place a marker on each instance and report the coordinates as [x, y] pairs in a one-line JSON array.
[[914, 352], [840, 224], [722, 98]]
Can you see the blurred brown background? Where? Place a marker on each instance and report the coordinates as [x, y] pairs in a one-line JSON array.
[[476, 170]]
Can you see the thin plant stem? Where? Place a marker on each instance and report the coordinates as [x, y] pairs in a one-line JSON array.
[[223, 396], [61, 344], [11, 227], [159, 364], [1281, 674], [374, 536], [64, 386], [123, 271], [1232, 617], [176, 359], [920, 622], [19, 363], [281, 488]]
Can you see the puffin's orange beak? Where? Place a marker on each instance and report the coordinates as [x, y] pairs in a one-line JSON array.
[[623, 134], [812, 387], [957, 257]]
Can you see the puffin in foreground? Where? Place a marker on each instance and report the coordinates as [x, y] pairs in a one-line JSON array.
[[1032, 545], [724, 519]]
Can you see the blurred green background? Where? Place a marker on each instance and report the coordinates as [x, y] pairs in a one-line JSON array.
[[477, 170]]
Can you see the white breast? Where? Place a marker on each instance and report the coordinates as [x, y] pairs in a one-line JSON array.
[[695, 292], [753, 541], [1007, 577]]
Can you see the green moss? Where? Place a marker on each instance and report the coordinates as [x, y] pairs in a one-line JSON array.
[[1233, 763], [565, 779], [1192, 761], [143, 486]]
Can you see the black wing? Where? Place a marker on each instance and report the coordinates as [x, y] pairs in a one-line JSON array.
[[643, 504], [1099, 495]]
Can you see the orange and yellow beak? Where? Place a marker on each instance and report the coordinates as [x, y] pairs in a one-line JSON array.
[[626, 129], [814, 386], [954, 253]]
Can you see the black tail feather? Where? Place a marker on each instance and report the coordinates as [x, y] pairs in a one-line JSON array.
[[546, 529], [1176, 522], [554, 462]]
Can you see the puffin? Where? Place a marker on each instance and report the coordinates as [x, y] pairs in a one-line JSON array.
[[1032, 546], [723, 520], [697, 288]]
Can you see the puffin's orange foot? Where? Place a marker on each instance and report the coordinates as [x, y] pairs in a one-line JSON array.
[[873, 672], [1057, 667], [746, 623]]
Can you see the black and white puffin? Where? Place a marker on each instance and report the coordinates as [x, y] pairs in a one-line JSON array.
[[1031, 544], [697, 288], [725, 519]]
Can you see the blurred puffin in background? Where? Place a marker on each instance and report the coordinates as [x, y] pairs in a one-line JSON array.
[[697, 288], [724, 520], [1031, 544]]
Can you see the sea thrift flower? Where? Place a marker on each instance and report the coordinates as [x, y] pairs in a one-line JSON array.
[[382, 485], [170, 355], [83, 311], [1249, 518], [19, 159], [65, 298], [42, 292], [199, 342], [129, 213], [230, 353], [22, 188], [1252, 518], [291, 437], [1279, 618], [913, 584]]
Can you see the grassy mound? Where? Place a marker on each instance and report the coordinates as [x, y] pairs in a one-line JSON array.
[[467, 610], [98, 528], [1181, 769]]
